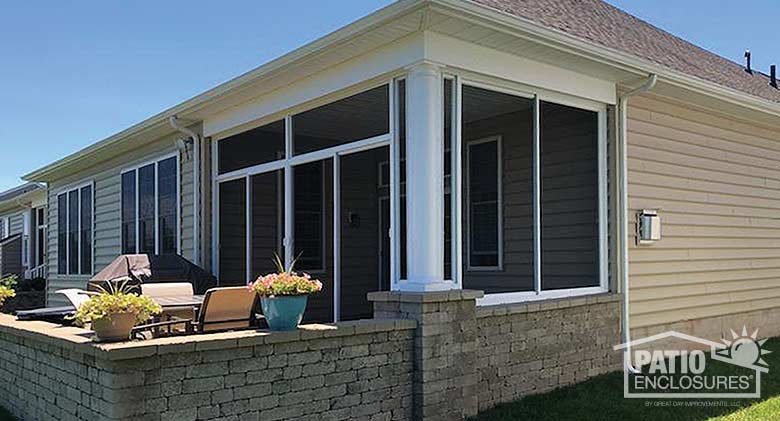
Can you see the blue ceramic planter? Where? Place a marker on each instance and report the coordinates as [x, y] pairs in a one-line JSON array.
[[283, 313]]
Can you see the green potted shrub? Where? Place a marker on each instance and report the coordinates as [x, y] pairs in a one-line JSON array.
[[115, 311], [7, 288], [283, 296]]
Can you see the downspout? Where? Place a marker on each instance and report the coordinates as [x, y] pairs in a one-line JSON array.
[[623, 209], [173, 120]]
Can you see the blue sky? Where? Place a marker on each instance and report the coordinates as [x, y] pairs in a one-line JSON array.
[[75, 72]]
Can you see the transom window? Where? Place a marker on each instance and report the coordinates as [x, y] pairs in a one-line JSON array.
[[150, 210], [74, 231]]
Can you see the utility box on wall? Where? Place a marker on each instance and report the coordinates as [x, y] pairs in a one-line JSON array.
[[648, 227]]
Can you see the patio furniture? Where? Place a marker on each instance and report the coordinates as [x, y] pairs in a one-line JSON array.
[[177, 290], [76, 296], [150, 268], [58, 314], [228, 308]]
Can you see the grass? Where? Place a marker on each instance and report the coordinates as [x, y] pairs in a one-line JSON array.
[[5, 415], [601, 398]]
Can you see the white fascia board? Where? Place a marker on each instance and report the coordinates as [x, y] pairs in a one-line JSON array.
[[350, 73], [449, 51]]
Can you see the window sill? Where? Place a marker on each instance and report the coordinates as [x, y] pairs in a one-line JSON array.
[[546, 305], [557, 296]]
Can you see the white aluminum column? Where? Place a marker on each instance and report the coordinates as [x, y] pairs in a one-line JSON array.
[[425, 181]]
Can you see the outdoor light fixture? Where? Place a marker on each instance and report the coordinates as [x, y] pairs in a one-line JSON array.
[[648, 226], [183, 145]]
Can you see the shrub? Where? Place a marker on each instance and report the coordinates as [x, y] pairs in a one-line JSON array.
[[7, 285]]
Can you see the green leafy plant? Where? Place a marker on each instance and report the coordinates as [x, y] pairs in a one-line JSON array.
[[117, 298], [286, 282], [7, 288]]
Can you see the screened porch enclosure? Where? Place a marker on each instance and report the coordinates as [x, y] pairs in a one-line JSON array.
[[477, 187], [336, 209]]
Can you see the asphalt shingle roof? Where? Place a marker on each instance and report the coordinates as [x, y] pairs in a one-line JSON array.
[[601, 23]]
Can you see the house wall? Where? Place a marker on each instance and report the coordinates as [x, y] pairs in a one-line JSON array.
[[717, 184], [107, 206], [16, 222]]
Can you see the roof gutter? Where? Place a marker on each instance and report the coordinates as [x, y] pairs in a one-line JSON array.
[[622, 204]]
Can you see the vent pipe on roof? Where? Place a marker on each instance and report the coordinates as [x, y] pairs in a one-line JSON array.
[[773, 75], [747, 62]]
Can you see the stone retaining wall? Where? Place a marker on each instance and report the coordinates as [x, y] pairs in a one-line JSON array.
[[321, 372], [430, 356], [536, 347]]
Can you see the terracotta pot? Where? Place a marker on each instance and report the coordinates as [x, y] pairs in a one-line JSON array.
[[113, 328]]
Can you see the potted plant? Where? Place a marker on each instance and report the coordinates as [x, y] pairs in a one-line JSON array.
[[115, 311], [283, 296], [7, 288]]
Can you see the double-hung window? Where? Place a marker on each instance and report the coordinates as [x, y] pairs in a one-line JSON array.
[[74, 231], [150, 210]]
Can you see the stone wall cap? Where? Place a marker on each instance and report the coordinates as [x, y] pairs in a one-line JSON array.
[[425, 297], [544, 305], [80, 340]]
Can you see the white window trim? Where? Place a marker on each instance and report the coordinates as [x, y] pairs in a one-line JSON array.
[[156, 162], [539, 95], [66, 191], [7, 227], [500, 221], [40, 235]]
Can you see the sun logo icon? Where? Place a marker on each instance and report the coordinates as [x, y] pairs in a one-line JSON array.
[[744, 350]]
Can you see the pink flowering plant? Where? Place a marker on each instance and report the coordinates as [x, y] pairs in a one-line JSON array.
[[286, 282]]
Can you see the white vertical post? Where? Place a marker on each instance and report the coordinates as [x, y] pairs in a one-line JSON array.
[[214, 211], [336, 238], [248, 228], [289, 242], [537, 197], [425, 181], [395, 185]]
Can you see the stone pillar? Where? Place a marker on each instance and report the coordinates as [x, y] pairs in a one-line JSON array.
[[424, 181], [445, 349]]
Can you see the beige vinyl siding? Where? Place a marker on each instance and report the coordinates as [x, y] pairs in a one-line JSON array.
[[16, 223], [717, 184], [106, 177]]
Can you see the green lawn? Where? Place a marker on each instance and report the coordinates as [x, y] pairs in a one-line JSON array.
[[5, 416], [601, 398]]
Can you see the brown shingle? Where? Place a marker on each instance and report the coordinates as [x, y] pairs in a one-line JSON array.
[[606, 25]]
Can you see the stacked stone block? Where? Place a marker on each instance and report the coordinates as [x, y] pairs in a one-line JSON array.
[[533, 348], [445, 349], [359, 370]]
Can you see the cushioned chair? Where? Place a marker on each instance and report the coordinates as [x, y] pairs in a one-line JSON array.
[[228, 308], [171, 289]]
